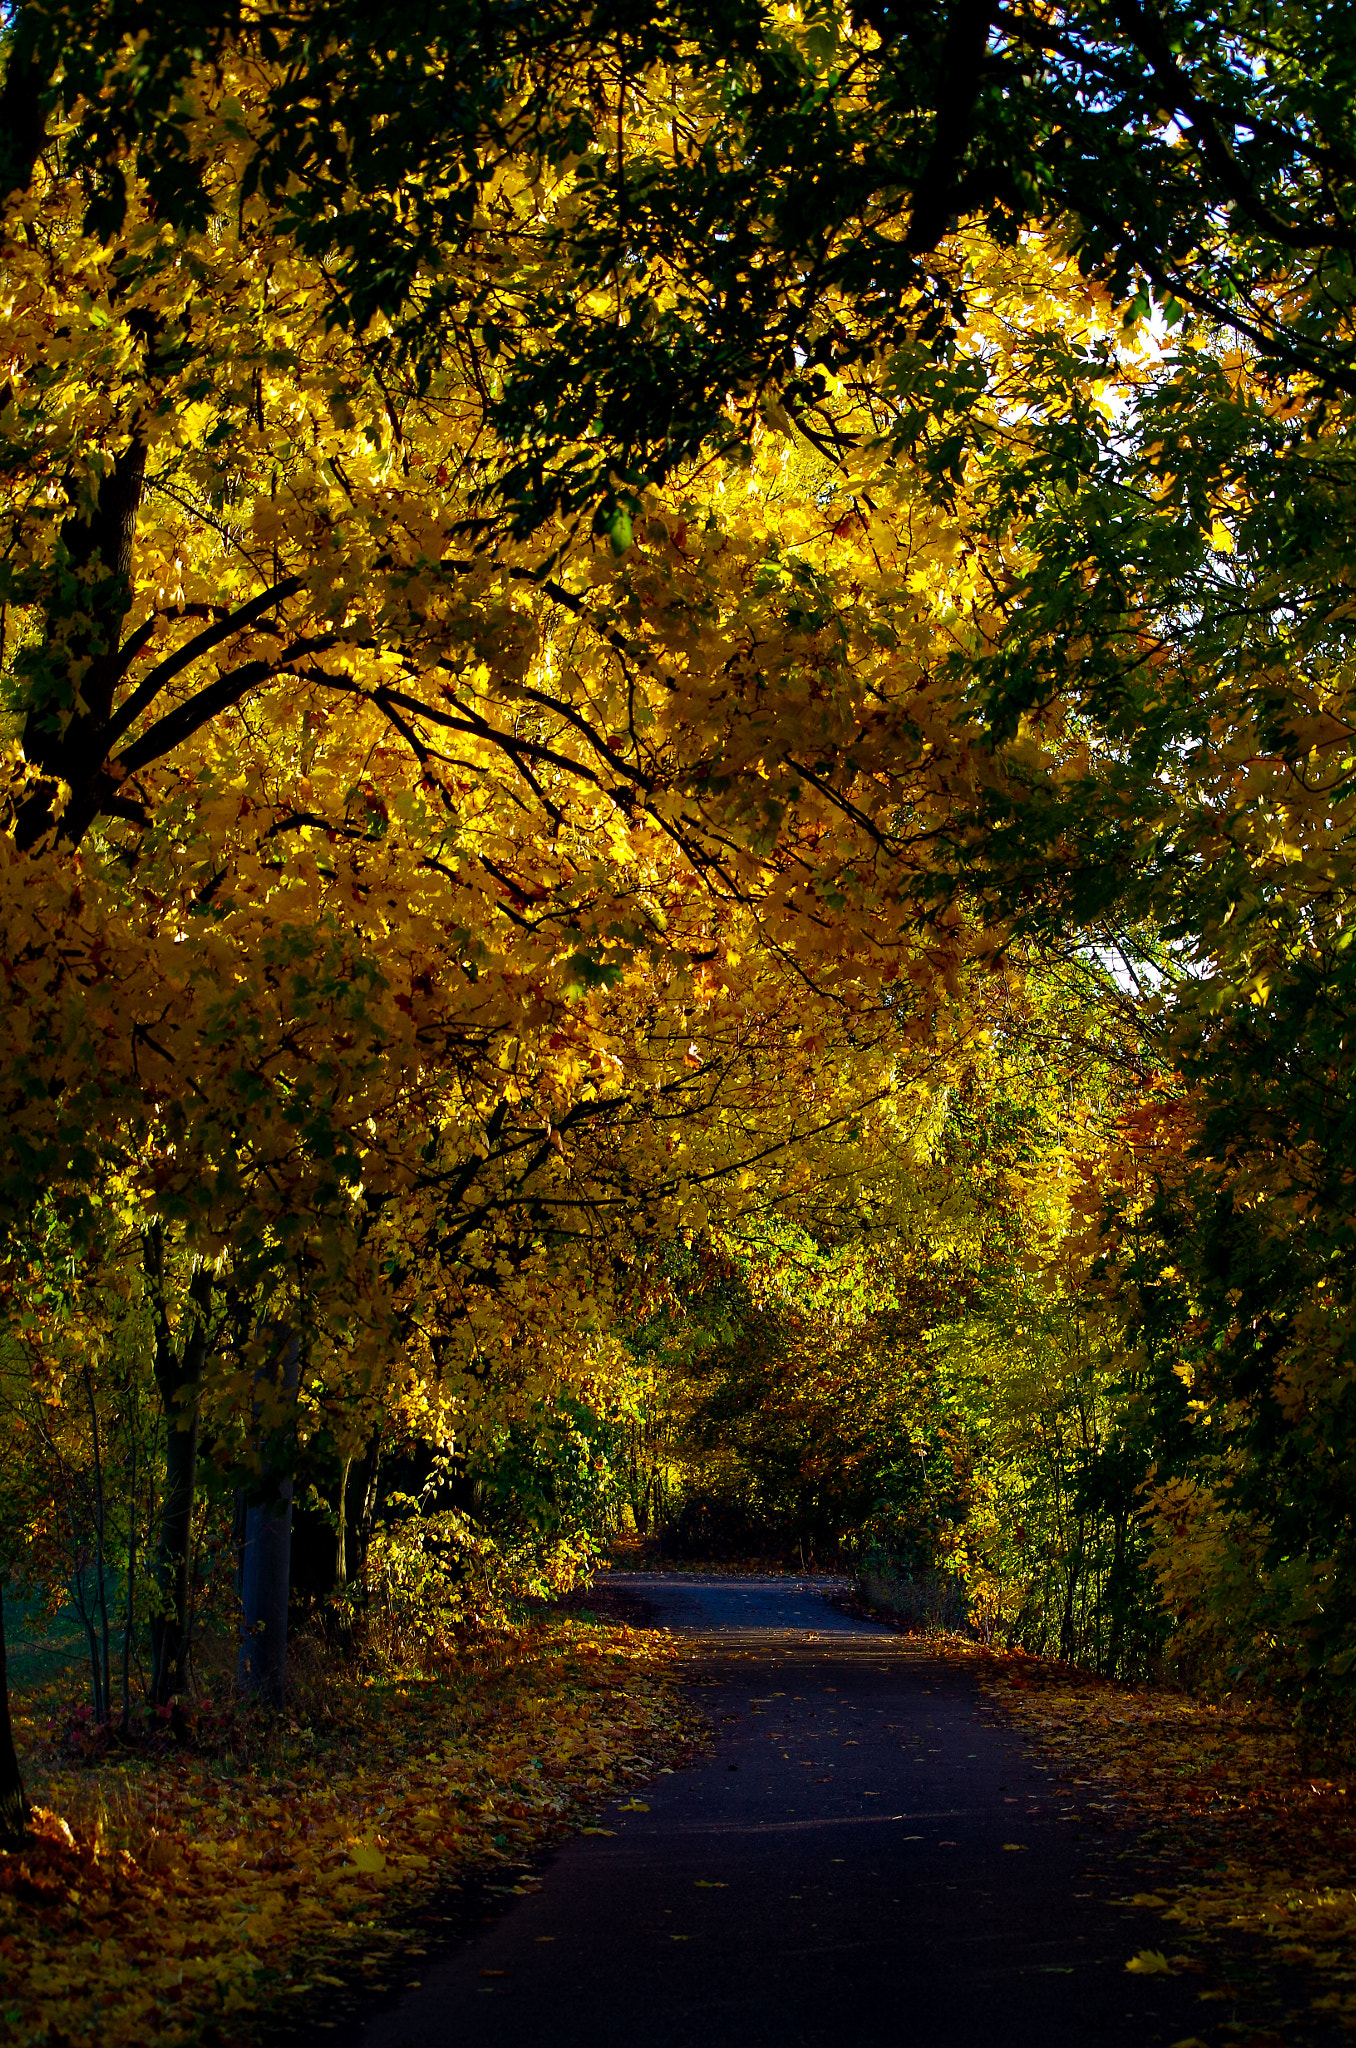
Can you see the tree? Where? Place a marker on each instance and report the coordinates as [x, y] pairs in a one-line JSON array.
[[561, 797], [1198, 151]]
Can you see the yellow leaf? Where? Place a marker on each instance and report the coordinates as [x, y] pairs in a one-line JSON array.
[[1150, 1962]]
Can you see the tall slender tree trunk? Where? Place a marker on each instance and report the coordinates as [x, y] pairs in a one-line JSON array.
[[341, 1541], [104, 1710], [88, 1610], [178, 1375], [1068, 1637], [130, 1609], [169, 1626], [266, 1555], [1116, 1593], [13, 1799], [360, 1501]]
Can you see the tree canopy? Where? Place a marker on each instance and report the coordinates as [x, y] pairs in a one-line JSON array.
[[677, 798]]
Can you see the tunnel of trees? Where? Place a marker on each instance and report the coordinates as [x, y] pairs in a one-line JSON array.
[[677, 741]]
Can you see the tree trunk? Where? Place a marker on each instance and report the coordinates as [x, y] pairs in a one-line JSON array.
[[13, 1800], [169, 1625], [130, 1609], [341, 1525], [1116, 1593], [89, 1613], [179, 1379], [1068, 1640], [83, 641], [266, 1558], [24, 101], [360, 1503], [104, 1711]]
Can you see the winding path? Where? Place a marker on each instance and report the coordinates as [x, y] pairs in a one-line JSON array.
[[867, 1855]]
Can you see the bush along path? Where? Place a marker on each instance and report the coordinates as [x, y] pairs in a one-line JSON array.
[[234, 1874]]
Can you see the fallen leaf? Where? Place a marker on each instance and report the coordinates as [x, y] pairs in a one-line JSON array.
[[232, 1890]]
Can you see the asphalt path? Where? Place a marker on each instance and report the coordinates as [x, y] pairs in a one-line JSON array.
[[867, 1854]]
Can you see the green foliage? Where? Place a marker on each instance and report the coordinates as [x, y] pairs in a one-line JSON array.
[[1053, 1554], [547, 1490], [83, 1436], [1239, 1273], [798, 1419], [522, 1514]]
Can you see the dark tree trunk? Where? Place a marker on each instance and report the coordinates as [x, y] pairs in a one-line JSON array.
[[266, 1555], [88, 1611], [103, 1708], [13, 1800], [1116, 1594], [24, 101], [130, 1608], [178, 1375], [169, 1626], [98, 546], [341, 1535], [1068, 1638], [360, 1506]]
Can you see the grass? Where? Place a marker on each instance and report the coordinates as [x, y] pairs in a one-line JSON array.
[[41, 1646]]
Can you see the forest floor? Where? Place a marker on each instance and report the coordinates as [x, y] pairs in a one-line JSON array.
[[1250, 1842], [200, 1880]]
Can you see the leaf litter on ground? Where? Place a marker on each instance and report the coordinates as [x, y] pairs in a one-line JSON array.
[[182, 1893], [1253, 1838], [1251, 1841]]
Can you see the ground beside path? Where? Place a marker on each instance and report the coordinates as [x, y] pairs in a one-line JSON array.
[[866, 1854], [244, 1876]]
